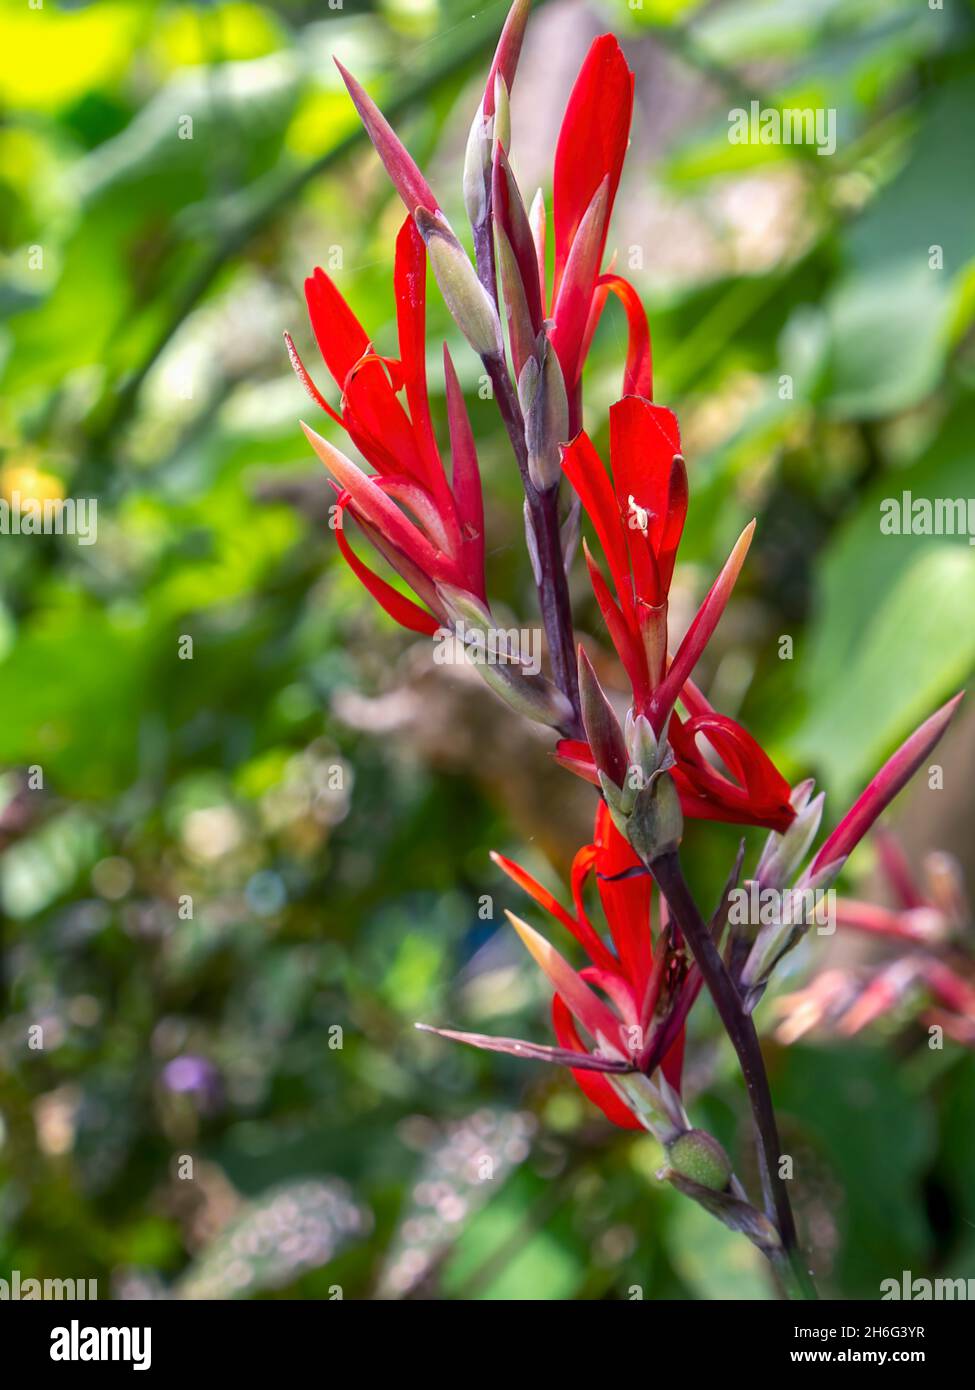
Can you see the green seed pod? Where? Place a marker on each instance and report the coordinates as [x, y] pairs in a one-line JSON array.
[[697, 1155]]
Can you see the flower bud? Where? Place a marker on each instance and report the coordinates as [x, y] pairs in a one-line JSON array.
[[656, 823], [697, 1155], [477, 168], [601, 725], [783, 854], [469, 303], [541, 389], [527, 691]]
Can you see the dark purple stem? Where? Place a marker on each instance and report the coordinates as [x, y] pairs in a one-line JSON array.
[[551, 580], [738, 1025]]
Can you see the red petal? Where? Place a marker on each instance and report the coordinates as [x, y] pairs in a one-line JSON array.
[[596, 1087], [340, 336], [410, 281], [585, 471], [466, 477], [592, 141], [407, 613], [576, 756], [699, 633], [582, 931], [638, 376]]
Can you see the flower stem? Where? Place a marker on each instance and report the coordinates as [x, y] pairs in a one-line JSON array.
[[550, 577], [667, 872]]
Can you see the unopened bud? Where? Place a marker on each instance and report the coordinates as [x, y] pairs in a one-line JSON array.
[[541, 389], [525, 690], [697, 1155], [477, 168], [601, 725], [783, 854], [469, 303], [656, 823]]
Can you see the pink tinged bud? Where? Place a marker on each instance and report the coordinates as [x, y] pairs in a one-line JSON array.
[[602, 727], [536, 1052], [582, 1002], [571, 309], [897, 771], [521, 334], [507, 53], [469, 304], [510, 217], [410, 184], [541, 390], [700, 631]]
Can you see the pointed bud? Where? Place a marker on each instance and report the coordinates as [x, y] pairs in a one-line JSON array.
[[546, 410], [602, 727], [409, 182], [783, 854], [642, 749], [521, 333], [507, 53], [531, 543], [469, 303], [896, 771], [536, 222], [570, 532]]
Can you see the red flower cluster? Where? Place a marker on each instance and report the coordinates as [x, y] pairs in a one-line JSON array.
[[632, 998], [646, 981], [638, 515], [429, 529]]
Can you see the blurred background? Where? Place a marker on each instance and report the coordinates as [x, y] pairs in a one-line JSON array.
[[244, 822]]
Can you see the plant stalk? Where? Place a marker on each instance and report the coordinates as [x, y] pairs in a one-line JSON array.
[[738, 1024]]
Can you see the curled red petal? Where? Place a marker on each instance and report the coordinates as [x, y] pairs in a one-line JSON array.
[[638, 374]]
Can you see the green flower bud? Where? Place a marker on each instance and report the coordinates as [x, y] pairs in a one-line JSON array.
[[697, 1155], [465, 296]]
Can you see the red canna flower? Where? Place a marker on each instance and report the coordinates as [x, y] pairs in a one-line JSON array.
[[638, 514], [645, 988], [429, 529], [588, 162]]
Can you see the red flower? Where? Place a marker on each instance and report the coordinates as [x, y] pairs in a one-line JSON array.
[[638, 514], [430, 530], [649, 986], [588, 162]]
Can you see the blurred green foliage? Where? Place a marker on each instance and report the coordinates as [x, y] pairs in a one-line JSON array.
[[227, 902]]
